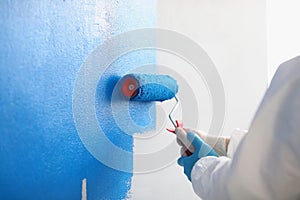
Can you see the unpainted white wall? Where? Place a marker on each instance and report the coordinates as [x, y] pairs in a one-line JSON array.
[[234, 35]]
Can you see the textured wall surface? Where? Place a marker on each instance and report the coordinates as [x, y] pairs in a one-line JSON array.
[[43, 44]]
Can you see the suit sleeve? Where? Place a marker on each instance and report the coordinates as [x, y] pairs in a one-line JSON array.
[[266, 163]]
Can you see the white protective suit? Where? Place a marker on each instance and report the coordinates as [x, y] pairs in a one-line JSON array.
[[266, 163]]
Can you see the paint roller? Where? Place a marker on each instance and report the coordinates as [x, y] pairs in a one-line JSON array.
[[153, 87], [150, 87]]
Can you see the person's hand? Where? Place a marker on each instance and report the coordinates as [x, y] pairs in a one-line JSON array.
[[195, 145], [219, 143]]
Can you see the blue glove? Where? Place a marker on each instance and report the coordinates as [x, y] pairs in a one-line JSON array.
[[201, 150]]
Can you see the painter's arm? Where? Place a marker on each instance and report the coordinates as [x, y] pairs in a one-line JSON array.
[[209, 174]]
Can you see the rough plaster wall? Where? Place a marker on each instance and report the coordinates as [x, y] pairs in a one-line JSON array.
[[43, 44]]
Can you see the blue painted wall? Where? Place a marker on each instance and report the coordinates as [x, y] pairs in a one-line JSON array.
[[43, 44]]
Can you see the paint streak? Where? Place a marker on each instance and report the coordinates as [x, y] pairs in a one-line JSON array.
[[83, 190], [43, 44]]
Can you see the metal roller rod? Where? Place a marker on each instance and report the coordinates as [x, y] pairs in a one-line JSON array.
[[174, 108]]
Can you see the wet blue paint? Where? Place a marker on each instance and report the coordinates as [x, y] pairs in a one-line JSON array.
[[42, 47], [141, 113]]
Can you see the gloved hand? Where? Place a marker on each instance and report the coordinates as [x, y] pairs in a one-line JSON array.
[[199, 149], [219, 143]]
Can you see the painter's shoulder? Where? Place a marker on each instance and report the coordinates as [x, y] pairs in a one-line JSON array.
[[290, 66], [287, 72]]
